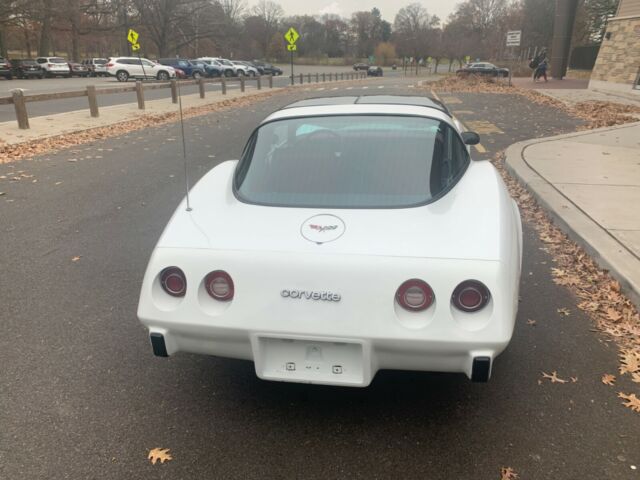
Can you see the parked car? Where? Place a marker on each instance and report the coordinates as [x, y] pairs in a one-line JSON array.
[[26, 68], [402, 255], [5, 68], [360, 66], [267, 68], [228, 69], [97, 66], [210, 70], [54, 66], [250, 70], [229, 64], [482, 68], [190, 69], [78, 70], [180, 74], [124, 68], [374, 71]]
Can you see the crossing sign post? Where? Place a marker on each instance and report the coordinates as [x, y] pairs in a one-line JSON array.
[[132, 38], [292, 37]]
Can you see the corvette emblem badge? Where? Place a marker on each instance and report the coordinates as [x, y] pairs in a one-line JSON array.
[[323, 228]]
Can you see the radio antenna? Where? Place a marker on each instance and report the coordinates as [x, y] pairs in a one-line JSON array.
[[184, 147]]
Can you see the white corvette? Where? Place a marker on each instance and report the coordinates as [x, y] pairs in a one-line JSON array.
[[355, 234]]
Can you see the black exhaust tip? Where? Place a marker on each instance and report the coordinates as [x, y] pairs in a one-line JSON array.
[[481, 369], [159, 347]]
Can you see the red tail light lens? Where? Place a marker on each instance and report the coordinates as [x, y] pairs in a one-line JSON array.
[[173, 281], [470, 296], [415, 295], [109, 65], [219, 285]]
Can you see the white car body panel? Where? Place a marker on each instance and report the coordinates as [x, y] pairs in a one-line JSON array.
[[472, 232]]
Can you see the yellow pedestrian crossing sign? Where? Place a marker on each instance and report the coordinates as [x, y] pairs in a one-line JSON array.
[[292, 48], [291, 36], [132, 36], [135, 47]]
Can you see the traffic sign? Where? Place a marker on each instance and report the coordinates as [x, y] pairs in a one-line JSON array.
[[132, 36], [292, 48], [135, 47], [513, 38], [291, 36]]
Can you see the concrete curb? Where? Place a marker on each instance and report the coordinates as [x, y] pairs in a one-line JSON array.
[[605, 249]]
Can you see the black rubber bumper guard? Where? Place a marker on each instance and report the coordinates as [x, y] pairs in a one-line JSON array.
[[159, 347], [481, 369]]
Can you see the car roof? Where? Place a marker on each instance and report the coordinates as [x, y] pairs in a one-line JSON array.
[[364, 105], [400, 100]]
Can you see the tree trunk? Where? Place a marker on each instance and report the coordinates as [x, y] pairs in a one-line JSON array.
[[3, 44], [44, 44], [75, 50]]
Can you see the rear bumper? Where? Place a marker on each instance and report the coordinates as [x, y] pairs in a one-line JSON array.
[[334, 360]]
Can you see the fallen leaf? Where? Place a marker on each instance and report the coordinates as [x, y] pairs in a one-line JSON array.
[[629, 361], [553, 377], [564, 311], [507, 473], [635, 377], [608, 379], [632, 401], [531, 322], [76, 258], [2, 193], [573, 379], [161, 454]]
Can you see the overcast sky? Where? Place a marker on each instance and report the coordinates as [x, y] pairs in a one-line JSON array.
[[388, 8]]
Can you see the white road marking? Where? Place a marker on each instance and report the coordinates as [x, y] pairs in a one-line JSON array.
[[349, 88], [334, 88], [381, 86], [320, 89], [364, 88]]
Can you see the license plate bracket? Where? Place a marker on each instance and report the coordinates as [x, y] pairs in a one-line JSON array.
[[310, 361]]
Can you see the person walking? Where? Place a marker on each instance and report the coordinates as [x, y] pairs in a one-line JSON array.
[[541, 71]]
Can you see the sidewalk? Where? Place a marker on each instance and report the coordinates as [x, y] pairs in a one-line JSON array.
[[590, 183]]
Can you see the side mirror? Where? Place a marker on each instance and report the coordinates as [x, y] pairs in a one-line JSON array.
[[470, 138]]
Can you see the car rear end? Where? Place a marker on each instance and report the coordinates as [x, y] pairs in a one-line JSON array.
[[27, 69], [98, 67], [56, 66], [5, 68], [329, 319]]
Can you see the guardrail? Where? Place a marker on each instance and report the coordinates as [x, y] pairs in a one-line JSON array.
[[20, 100]]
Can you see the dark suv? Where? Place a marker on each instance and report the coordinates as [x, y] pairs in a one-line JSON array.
[[190, 69], [5, 68], [266, 68], [26, 68]]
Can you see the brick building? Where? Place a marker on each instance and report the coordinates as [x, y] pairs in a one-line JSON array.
[[618, 64]]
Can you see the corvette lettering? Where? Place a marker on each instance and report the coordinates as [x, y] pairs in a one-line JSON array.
[[310, 295], [322, 228]]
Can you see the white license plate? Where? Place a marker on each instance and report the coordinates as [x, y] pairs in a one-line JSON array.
[[310, 361]]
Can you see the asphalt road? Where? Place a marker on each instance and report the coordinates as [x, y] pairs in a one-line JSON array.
[[83, 397], [51, 85]]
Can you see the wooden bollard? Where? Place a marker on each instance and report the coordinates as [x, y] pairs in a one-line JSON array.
[[270, 81], [308, 78], [93, 101], [242, 84], [140, 94], [201, 86], [301, 79], [324, 78], [223, 84], [259, 82], [21, 108], [174, 91]]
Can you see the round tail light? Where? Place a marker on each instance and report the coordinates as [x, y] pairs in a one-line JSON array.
[[470, 296], [415, 295], [173, 281], [219, 285]]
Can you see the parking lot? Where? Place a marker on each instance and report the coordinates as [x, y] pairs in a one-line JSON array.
[[60, 84], [83, 396]]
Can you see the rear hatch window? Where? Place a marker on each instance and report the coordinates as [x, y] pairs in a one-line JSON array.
[[350, 161]]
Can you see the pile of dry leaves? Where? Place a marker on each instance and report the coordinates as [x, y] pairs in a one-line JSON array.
[[596, 114]]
